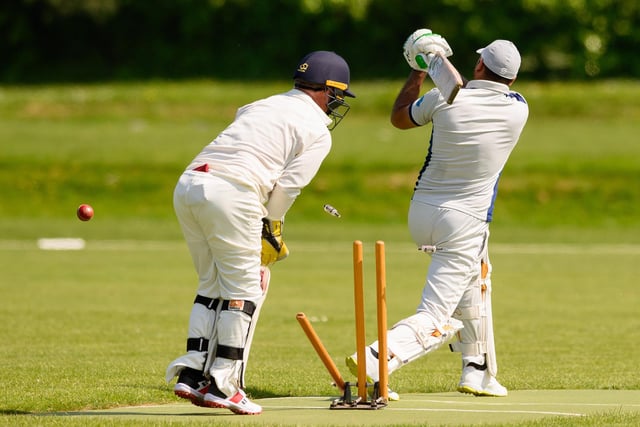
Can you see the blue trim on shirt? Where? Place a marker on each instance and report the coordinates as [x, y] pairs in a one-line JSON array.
[[417, 105], [493, 199], [517, 97], [427, 160]]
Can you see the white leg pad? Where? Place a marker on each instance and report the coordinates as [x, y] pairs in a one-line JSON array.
[[418, 335], [492, 363], [201, 325], [265, 278], [235, 334], [475, 340], [233, 328]]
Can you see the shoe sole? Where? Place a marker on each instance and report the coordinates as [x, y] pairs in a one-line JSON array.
[[194, 399], [210, 404], [242, 412], [470, 390], [226, 405], [185, 392]]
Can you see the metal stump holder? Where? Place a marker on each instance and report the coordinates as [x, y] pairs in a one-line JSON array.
[[348, 402]]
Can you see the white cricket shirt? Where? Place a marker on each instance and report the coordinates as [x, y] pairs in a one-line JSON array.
[[471, 141], [274, 146]]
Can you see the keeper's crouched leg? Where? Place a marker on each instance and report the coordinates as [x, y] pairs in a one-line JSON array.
[[234, 322], [235, 329], [192, 383]]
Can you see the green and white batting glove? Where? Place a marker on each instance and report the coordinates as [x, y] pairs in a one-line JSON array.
[[420, 45], [273, 247]]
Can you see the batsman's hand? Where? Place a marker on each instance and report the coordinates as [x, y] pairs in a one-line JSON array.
[[420, 45], [273, 247]]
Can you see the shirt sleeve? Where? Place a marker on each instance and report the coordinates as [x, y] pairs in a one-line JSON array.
[[296, 175], [422, 109]]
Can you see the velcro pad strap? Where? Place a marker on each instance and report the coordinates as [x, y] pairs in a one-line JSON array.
[[468, 348], [197, 344], [226, 352], [210, 303], [246, 307]]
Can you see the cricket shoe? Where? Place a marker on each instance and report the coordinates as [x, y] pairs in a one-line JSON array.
[[352, 364], [480, 382], [192, 385], [239, 403]]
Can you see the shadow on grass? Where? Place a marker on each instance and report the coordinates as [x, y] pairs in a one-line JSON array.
[[258, 393], [13, 412]]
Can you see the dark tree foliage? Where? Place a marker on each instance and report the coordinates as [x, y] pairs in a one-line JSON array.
[[89, 40]]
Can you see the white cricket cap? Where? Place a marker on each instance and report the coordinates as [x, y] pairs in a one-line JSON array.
[[501, 57]]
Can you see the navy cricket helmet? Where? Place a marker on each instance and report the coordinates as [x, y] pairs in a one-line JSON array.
[[325, 68]]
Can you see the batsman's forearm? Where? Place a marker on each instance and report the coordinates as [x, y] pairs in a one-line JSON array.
[[411, 89], [409, 93]]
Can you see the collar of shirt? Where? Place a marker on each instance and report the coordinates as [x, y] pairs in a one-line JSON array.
[[297, 93], [489, 85]]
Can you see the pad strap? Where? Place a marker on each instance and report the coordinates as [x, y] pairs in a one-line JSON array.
[[210, 303], [469, 348], [226, 352], [246, 307], [197, 344]]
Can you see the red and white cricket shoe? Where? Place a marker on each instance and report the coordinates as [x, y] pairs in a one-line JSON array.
[[239, 403]]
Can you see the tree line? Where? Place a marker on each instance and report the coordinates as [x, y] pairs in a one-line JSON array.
[[93, 40]]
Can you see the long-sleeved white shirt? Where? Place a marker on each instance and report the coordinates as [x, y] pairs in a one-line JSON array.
[[274, 146]]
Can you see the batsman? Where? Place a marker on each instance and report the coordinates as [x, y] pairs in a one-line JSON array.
[[230, 203], [470, 141]]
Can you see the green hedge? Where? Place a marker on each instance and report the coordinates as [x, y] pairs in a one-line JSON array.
[[73, 40]]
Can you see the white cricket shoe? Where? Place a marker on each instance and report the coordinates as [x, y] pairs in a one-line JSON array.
[[480, 382], [352, 364], [239, 403]]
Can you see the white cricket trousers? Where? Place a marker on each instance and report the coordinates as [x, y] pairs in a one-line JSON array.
[[222, 225], [455, 267]]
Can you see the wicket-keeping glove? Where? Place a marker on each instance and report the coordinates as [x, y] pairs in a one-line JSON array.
[[273, 248], [420, 44]]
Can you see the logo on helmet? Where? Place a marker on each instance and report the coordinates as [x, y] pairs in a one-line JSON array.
[[303, 67]]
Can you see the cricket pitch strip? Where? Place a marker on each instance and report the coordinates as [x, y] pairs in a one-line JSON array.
[[413, 409]]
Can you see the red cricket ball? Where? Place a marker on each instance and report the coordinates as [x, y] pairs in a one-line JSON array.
[[85, 212]]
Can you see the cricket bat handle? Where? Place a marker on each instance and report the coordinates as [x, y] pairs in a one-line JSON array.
[[321, 350]]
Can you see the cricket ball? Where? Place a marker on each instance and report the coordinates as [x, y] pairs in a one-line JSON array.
[[85, 212]]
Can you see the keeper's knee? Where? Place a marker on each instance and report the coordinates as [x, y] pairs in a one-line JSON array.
[[235, 321]]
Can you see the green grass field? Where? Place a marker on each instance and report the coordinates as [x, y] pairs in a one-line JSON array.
[[94, 329]]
